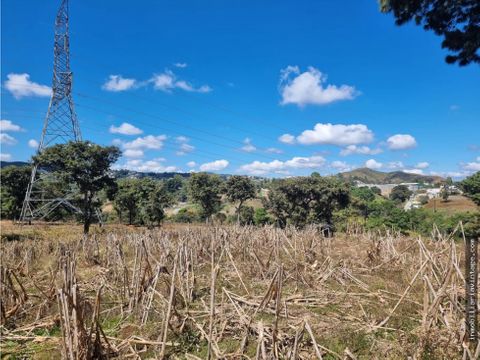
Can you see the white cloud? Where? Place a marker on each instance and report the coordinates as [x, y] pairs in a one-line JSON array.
[[154, 165], [277, 166], [401, 142], [118, 83], [133, 153], [191, 164], [395, 165], [340, 165], [180, 65], [413, 171], [248, 147], [272, 150], [184, 146], [472, 166], [7, 125], [373, 164], [287, 139], [362, 150], [185, 149], [310, 87], [6, 139], [422, 165], [216, 165], [33, 143], [167, 81], [146, 142], [5, 157], [338, 134], [21, 86], [125, 129]]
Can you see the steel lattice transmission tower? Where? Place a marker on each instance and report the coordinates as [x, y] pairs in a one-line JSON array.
[[60, 126]]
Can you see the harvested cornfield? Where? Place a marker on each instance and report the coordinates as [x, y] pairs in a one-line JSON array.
[[204, 292]]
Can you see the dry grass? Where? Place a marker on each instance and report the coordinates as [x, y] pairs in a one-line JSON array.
[[455, 204], [194, 292]]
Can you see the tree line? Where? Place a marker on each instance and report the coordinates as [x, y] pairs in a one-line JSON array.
[[296, 201]]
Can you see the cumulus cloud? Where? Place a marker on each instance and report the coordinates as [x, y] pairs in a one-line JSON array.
[[272, 150], [216, 165], [472, 166], [5, 157], [362, 150], [280, 167], [395, 165], [191, 164], [287, 139], [7, 125], [118, 83], [125, 129], [340, 165], [337, 134], [133, 153], [184, 147], [373, 164], [167, 81], [33, 143], [20, 86], [6, 139], [155, 165], [248, 146], [310, 87], [146, 142], [422, 165], [401, 142], [413, 171], [180, 65]]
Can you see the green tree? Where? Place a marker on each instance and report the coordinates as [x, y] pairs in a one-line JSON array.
[[306, 199], [471, 187], [457, 21], [126, 199], [84, 164], [360, 199], [246, 215], [14, 180], [204, 189], [238, 190], [445, 193], [261, 217], [143, 200], [153, 202], [400, 193]]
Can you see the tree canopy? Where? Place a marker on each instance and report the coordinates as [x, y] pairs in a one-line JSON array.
[[301, 200], [239, 189], [84, 164], [204, 189], [400, 193], [471, 187], [458, 22], [15, 180]]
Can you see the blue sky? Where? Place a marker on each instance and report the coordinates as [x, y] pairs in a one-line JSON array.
[[272, 88]]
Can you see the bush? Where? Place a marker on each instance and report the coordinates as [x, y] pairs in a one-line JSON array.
[[261, 217], [186, 215], [246, 215]]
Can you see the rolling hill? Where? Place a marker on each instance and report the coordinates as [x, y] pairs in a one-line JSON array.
[[370, 176]]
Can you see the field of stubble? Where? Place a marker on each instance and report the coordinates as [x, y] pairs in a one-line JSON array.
[[197, 292]]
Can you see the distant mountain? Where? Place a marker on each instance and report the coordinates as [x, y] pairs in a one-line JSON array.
[[370, 176], [13, 163]]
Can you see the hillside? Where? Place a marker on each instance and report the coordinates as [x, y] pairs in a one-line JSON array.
[[370, 176], [13, 163]]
